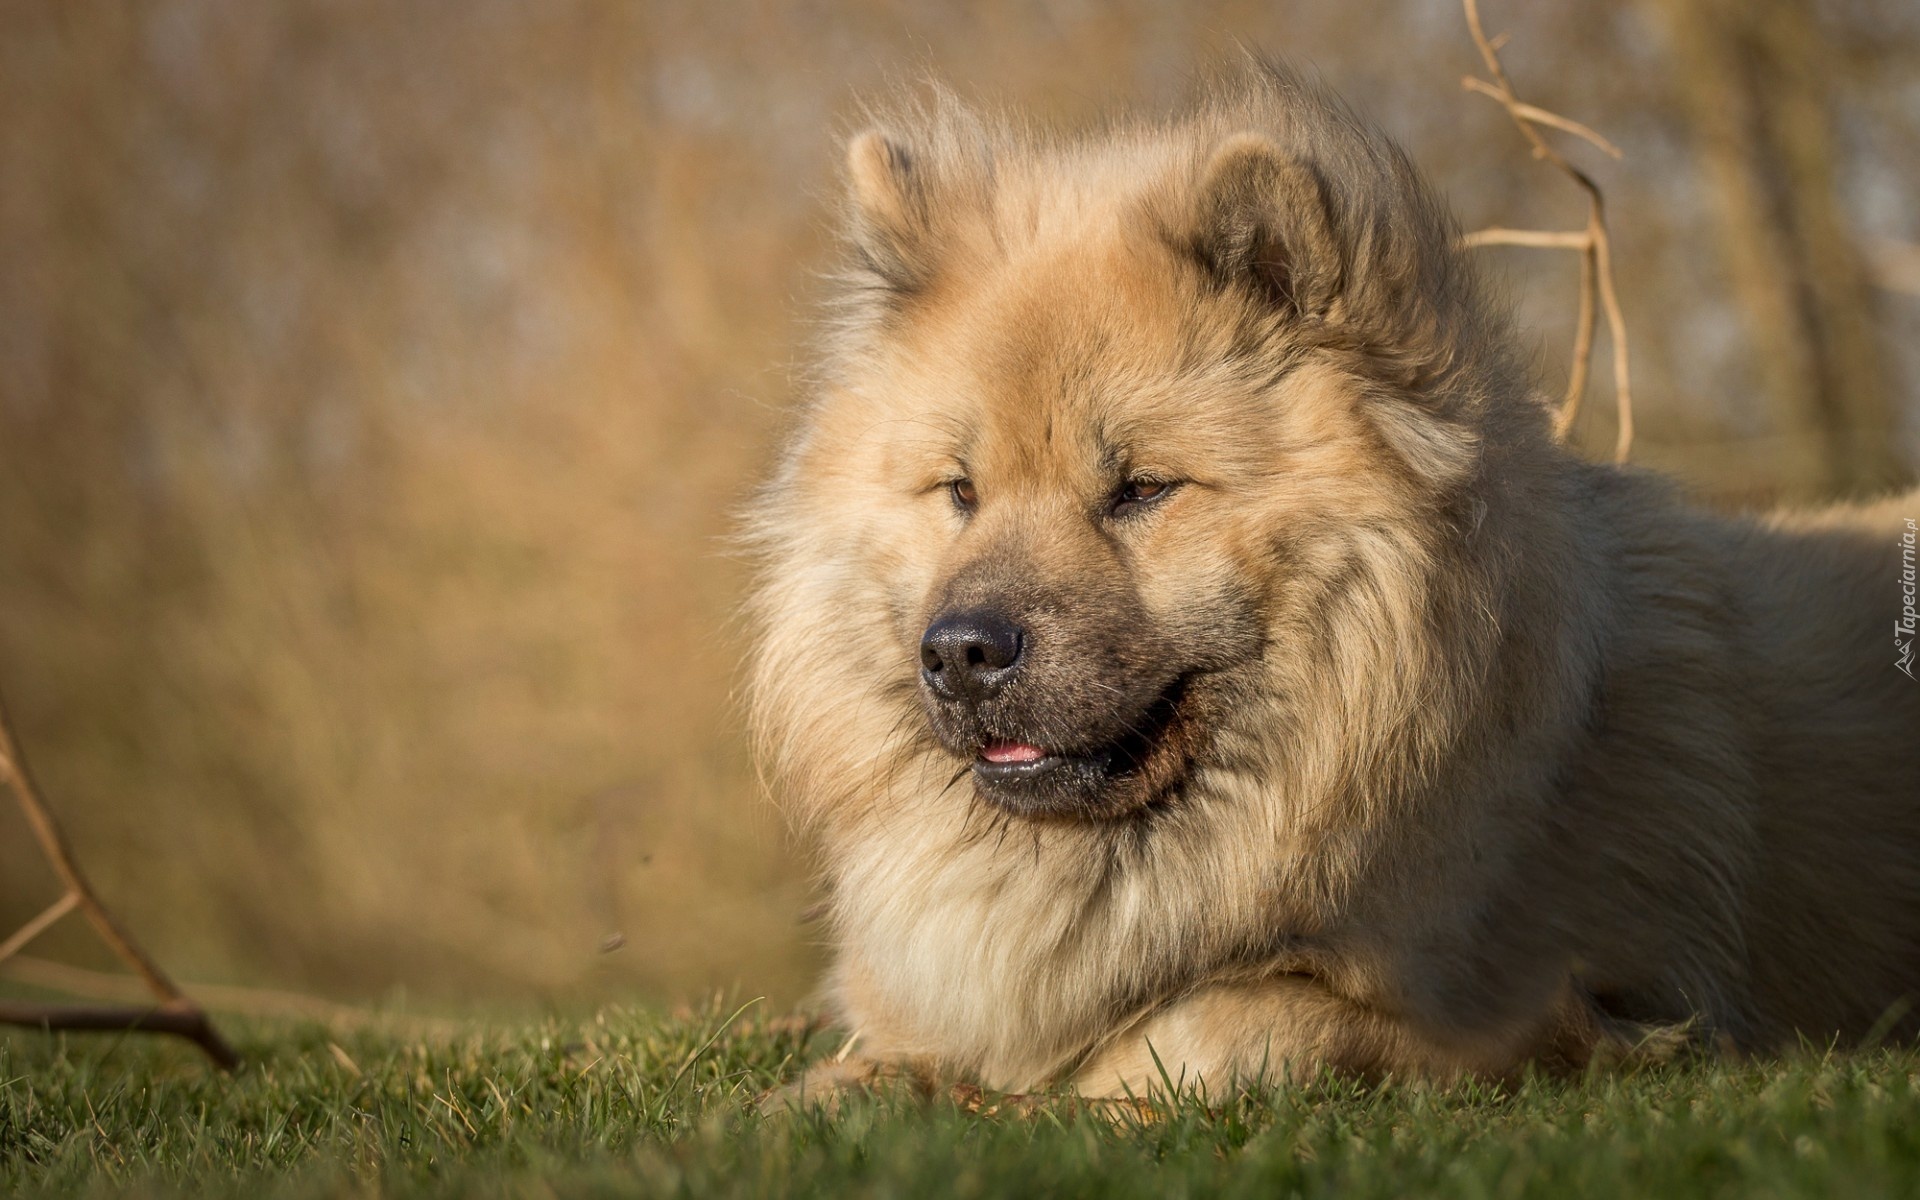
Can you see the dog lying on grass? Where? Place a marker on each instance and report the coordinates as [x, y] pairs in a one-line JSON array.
[[1195, 660]]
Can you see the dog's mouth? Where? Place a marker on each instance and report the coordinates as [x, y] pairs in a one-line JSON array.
[[1138, 769]]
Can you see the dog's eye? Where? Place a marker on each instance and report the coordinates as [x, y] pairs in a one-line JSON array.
[[1139, 492], [964, 496]]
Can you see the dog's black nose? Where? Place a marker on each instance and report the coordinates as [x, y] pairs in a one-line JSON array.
[[970, 655]]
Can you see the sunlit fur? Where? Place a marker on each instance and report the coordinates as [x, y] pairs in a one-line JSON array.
[[1502, 754]]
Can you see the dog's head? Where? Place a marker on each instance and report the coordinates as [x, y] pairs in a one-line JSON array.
[[1116, 436]]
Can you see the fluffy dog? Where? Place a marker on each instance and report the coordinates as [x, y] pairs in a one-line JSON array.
[[1183, 639]]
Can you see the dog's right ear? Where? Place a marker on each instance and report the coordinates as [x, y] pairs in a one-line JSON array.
[[892, 220]]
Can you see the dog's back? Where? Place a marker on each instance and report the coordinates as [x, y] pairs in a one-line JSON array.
[[1834, 911], [1749, 811]]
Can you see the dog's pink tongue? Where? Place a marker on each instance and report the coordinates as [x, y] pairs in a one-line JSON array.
[[1011, 752]]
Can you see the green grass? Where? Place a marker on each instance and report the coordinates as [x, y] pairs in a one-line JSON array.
[[635, 1104]]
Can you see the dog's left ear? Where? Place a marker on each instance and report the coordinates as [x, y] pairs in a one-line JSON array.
[[1260, 220]]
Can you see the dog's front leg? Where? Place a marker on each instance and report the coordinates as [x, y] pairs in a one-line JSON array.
[[1290, 1027]]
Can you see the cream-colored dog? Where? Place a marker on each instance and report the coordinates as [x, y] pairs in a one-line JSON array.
[[1182, 637]]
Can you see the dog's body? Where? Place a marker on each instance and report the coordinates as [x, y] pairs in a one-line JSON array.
[[1185, 639]]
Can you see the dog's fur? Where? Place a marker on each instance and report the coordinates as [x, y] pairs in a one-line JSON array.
[[1452, 752]]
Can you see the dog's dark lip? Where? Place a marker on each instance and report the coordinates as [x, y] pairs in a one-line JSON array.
[[1036, 787]]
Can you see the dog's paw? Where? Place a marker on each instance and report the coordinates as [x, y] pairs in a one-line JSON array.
[[826, 1086]]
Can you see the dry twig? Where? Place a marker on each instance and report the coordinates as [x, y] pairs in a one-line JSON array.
[[243, 1001], [1592, 242], [174, 1013]]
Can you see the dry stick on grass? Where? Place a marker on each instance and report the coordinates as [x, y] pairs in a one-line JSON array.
[[1593, 244], [175, 1013], [253, 1002]]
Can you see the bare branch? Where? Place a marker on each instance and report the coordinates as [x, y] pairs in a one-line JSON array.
[[1540, 116], [1616, 333], [1593, 243], [257, 1002], [1545, 239], [80, 894], [180, 1020], [1582, 347], [39, 925]]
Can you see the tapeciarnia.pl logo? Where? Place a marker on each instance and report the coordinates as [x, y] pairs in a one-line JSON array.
[[1903, 626]]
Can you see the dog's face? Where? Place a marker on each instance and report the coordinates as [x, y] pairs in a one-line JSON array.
[[1095, 465], [1078, 584], [1086, 558], [1110, 470]]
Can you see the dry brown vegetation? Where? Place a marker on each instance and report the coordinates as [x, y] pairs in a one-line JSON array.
[[376, 381]]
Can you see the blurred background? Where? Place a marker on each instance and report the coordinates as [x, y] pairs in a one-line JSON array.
[[377, 380]]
